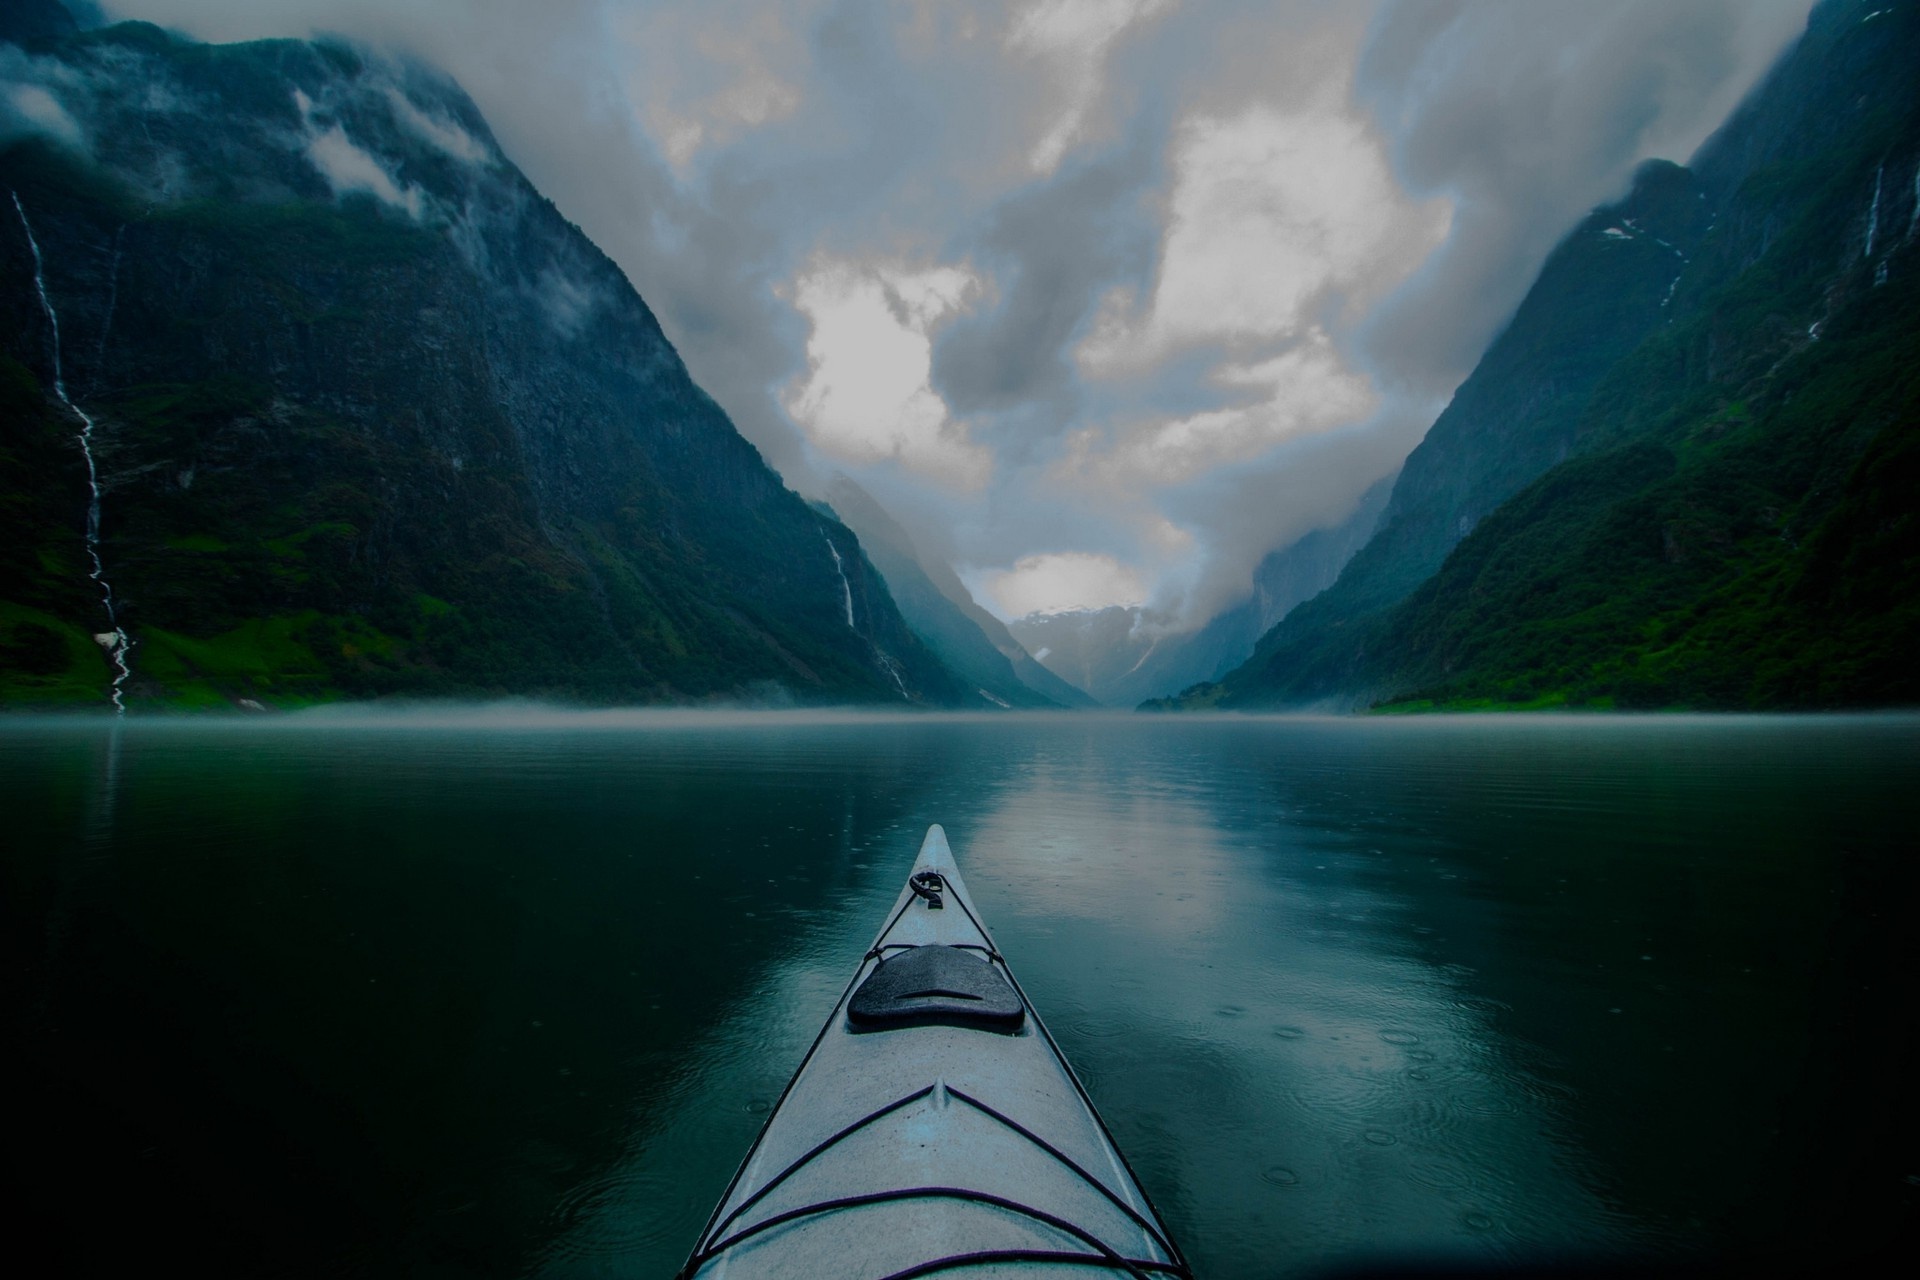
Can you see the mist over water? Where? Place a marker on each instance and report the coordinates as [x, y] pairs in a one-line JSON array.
[[494, 991]]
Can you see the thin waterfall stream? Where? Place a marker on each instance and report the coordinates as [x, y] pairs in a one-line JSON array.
[[115, 640], [1873, 210], [846, 589], [887, 664]]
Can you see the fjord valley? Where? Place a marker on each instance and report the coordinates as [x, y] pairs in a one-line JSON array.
[[1685, 473], [309, 394], [365, 415], [691, 482]]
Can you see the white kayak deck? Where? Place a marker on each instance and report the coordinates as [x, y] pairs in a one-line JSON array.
[[931, 1147]]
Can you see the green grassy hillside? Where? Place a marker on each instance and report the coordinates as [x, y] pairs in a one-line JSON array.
[[1768, 557]]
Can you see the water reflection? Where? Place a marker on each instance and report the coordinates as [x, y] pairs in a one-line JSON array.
[[1265, 1034], [104, 795], [447, 993]]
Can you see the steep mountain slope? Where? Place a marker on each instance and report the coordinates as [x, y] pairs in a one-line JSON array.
[[1602, 290], [1282, 579], [1745, 530], [973, 643], [367, 415], [1718, 475], [35, 21]]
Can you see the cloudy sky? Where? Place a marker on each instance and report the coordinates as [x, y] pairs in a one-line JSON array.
[[1104, 298]]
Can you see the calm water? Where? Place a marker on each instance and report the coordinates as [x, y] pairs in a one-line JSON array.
[[499, 995]]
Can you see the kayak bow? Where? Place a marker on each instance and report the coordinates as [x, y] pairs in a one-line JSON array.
[[934, 1126]]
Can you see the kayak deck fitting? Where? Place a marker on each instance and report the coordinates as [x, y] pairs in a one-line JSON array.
[[934, 1126]]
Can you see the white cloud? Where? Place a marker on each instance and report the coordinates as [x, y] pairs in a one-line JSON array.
[[348, 168], [1212, 161], [706, 75], [1271, 214], [1527, 117], [567, 303], [1056, 582], [29, 108], [1071, 39], [867, 396], [444, 134], [1282, 229], [1306, 389]]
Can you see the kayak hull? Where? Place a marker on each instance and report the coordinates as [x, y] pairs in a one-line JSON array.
[[943, 1139]]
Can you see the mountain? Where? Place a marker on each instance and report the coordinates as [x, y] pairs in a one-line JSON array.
[[1600, 292], [1692, 492], [367, 415], [1283, 578], [973, 643], [1124, 656], [35, 22], [1092, 649]]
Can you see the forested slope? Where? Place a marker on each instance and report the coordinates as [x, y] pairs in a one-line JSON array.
[[1732, 522]]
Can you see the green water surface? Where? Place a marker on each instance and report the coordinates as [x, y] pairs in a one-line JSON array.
[[507, 993]]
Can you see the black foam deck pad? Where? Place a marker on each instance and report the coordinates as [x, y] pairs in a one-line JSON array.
[[936, 985]]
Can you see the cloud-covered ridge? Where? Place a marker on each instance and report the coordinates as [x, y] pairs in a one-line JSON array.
[[1153, 284]]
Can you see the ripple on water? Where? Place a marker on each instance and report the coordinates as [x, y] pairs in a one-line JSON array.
[[1425, 1120], [1394, 1035], [1380, 1138], [1280, 1176], [1551, 1092], [1441, 1174], [1231, 1011], [1484, 1102], [1363, 1092], [1289, 1033], [606, 1216], [1101, 1028]]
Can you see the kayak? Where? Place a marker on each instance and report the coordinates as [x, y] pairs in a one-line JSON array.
[[934, 1126]]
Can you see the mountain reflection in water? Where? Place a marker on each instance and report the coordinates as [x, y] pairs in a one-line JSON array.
[[499, 992]]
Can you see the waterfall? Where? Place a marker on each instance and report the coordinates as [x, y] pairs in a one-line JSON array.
[[887, 664], [116, 641], [846, 591], [1873, 215], [892, 668]]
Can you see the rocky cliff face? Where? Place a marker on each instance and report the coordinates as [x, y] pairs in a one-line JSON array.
[[1678, 514], [369, 414]]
